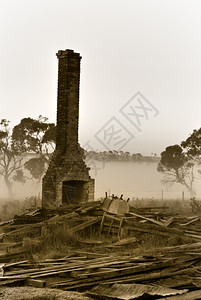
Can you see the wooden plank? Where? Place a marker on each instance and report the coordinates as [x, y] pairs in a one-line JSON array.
[[57, 218], [194, 295], [182, 247], [153, 231], [168, 222], [131, 291], [102, 222], [147, 267], [10, 265], [10, 282], [69, 267], [86, 224], [175, 282], [191, 222], [36, 283], [148, 219], [125, 241], [131, 278]]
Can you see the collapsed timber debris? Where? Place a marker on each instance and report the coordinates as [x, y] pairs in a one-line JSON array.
[[174, 271]]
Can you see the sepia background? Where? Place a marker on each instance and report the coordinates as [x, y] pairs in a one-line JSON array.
[[152, 47]]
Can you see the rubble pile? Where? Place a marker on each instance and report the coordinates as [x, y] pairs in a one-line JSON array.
[[173, 272]]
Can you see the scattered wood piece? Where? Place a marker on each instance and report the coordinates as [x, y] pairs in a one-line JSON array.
[[191, 222], [168, 222], [86, 224], [125, 241], [36, 282], [132, 291], [194, 295], [148, 219]]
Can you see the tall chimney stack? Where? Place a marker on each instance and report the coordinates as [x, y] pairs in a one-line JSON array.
[[67, 179]]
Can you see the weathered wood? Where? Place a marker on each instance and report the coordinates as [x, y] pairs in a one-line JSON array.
[[131, 291], [10, 282], [150, 230], [36, 282], [57, 218], [168, 222], [191, 222], [148, 219], [86, 224], [125, 241], [194, 295]]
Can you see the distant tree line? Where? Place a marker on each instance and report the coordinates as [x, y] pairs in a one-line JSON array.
[[119, 156], [26, 150]]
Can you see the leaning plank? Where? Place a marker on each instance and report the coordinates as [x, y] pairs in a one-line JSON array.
[[190, 222], [6, 223], [10, 265], [148, 219], [57, 218], [86, 224], [30, 228]]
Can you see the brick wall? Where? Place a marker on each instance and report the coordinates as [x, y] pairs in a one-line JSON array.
[[67, 164]]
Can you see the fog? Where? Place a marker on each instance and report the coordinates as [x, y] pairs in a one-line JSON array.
[[21, 191], [135, 179], [132, 179]]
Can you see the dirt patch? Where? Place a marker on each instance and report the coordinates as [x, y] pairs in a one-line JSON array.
[[31, 293]]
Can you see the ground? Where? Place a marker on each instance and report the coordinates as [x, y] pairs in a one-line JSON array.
[[31, 293]]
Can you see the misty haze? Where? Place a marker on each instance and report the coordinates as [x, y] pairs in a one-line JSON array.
[[100, 149], [132, 179]]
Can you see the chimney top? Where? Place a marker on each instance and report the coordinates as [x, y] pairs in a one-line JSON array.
[[67, 52]]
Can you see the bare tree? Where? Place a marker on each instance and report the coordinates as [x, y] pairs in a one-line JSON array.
[[10, 158]]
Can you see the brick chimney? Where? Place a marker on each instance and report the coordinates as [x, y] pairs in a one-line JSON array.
[[67, 179]]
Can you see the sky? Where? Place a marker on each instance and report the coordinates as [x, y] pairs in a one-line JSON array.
[[140, 70]]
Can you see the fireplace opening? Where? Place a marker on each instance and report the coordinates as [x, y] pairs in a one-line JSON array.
[[73, 191]]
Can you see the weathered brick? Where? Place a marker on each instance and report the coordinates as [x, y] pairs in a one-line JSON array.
[[67, 170]]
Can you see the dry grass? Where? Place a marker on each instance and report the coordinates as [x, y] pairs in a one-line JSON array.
[[56, 241], [151, 244]]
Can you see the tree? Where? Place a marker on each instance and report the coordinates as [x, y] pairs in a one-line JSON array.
[[177, 167], [192, 145], [10, 158], [36, 136]]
